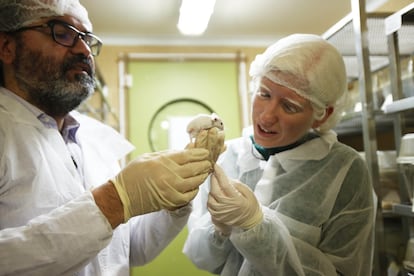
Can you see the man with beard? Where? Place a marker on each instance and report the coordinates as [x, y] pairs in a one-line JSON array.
[[65, 206]]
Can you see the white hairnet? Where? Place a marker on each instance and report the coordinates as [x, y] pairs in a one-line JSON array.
[[311, 67], [15, 14]]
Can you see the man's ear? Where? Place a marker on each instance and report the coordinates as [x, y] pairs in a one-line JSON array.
[[7, 48], [329, 110]]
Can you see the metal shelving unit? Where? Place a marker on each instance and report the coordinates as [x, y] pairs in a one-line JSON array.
[[400, 41], [350, 36], [370, 42]]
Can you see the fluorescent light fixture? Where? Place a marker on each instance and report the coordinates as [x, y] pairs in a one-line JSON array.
[[194, 16]]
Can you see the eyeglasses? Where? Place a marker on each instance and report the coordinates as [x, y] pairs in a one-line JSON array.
[[67, 35]]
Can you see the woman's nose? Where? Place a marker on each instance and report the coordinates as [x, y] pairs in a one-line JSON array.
[[270, 113]]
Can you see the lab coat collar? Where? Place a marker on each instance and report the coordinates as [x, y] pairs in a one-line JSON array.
[[17, 110], [100, 142], [315, 149], [111, 146]]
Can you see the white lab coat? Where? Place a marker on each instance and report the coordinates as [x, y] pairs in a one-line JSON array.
[[49, 222], [318, 206]]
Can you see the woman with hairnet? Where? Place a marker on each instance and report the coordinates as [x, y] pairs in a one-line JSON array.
[[287, 198]]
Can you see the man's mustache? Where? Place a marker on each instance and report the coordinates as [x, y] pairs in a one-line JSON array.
[[80, 61]]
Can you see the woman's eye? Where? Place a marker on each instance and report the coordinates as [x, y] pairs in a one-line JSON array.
[[263, 94], [291, 108]]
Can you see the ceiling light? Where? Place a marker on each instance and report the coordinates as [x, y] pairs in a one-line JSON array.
[[194, 16]]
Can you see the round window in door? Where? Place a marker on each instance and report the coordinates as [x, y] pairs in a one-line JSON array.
[[168, 126]]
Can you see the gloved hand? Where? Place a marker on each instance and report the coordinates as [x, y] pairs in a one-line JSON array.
[[232, 203], [159, 180], [221, 228], [213, 140]]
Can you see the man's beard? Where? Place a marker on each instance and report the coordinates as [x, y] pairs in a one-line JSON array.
[[46, 82]]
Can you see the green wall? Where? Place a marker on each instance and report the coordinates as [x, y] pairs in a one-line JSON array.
[[155, 83], [171, 262]]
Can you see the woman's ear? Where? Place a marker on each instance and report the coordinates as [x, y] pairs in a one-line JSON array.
[[328, 112], [7, 48]]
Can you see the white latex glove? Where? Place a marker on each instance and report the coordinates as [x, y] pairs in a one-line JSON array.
[[232, 203], [213, 140], [161, 180], [207, 131]]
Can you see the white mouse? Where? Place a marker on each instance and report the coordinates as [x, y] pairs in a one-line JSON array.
[[203, 121]]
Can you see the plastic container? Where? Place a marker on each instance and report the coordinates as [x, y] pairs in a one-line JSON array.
[[406, 154]]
